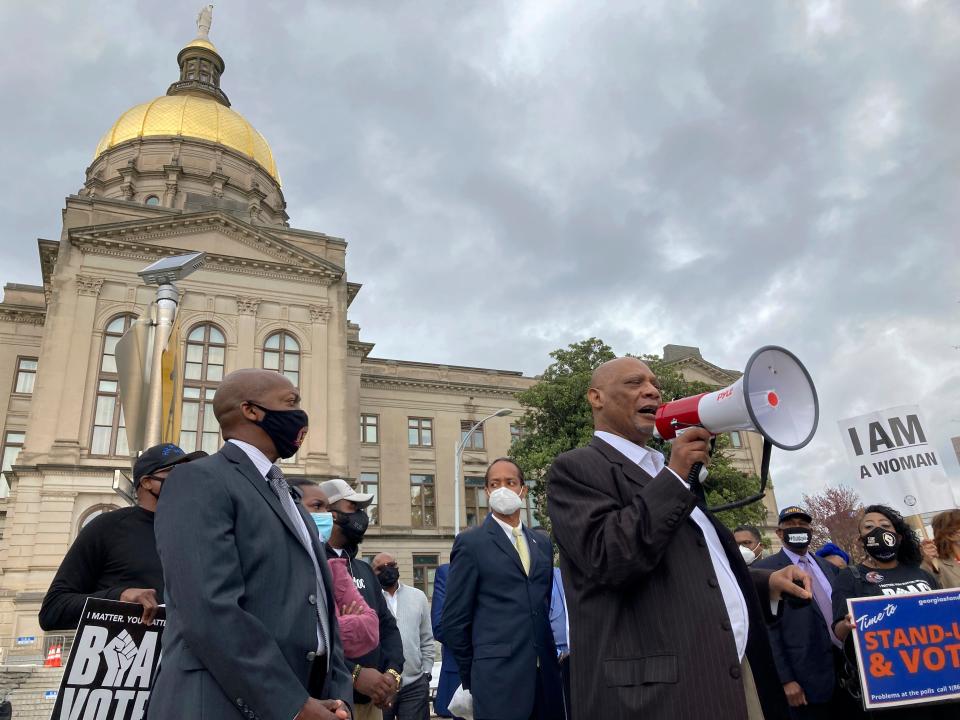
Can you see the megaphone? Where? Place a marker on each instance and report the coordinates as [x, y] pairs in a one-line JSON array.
[[775, 397]]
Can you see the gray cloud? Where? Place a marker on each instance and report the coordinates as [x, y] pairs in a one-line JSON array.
[[513, 177]]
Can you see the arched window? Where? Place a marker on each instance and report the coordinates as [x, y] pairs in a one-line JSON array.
[[94, 512], [152, 200], [109, 432], [202, 372], [281, 352]]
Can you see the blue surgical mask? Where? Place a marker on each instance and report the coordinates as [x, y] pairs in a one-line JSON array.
[[324, 523]]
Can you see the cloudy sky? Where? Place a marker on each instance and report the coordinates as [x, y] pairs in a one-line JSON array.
[[516, 176]]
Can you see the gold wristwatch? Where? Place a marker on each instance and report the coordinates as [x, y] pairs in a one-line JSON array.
[[396, 675]]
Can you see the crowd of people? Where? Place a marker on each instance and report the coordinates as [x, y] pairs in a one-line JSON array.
[[655, 610]]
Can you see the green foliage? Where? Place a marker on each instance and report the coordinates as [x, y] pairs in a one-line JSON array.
[[557, 418]]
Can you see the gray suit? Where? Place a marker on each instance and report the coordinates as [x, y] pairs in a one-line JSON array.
[[241, 588]]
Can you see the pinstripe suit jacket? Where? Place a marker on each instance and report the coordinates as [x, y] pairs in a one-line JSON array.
[[650, 634]]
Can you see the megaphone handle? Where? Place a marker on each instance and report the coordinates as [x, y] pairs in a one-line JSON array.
[[693, 480]]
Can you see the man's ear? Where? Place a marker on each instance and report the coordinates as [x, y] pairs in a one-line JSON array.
[[780, 534], [595, 398]]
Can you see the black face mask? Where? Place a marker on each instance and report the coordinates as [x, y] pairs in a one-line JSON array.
[[287, 428], [881, 544], [797, 539], [353, 525], [388, 577]]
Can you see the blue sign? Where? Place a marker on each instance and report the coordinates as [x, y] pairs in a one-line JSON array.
[[49, 694], [26, 639], [908, 647]]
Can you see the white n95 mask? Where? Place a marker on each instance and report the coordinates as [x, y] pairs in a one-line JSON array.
[[505, 501], [748, 555]]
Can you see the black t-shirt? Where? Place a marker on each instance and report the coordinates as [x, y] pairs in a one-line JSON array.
[[894, 581], [116, 551]]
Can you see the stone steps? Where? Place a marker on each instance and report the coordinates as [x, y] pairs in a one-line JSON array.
[[30, 686]]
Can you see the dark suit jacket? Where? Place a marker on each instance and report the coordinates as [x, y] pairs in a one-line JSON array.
[[801, 642], [241, 599], [496, 623], [650, 633], [436, 612]]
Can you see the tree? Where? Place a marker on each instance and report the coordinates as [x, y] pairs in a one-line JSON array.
[[836, 517], [557, 418]]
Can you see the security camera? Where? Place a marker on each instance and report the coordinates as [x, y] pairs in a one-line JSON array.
[[171, 269]]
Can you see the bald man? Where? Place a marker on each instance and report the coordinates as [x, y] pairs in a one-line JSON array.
[[410, 607], [666, 621], [251, 628]]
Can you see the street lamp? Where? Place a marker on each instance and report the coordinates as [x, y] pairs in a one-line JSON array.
[[457, 460], [163, 274]]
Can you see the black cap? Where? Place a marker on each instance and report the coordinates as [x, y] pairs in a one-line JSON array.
[[159, 457], [794, 511]]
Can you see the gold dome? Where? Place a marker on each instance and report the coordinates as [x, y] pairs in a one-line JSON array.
[[190, 116]]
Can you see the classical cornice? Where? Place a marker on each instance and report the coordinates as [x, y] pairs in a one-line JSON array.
[[359, 349], [25, 314], [48, 250], [436, 385], [353, 289], [723, 377], [135, 239]]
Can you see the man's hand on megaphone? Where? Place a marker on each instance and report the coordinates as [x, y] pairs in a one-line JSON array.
[[693, 446]]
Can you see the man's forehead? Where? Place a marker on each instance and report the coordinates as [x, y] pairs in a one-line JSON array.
[[619, 369], [503, 469]]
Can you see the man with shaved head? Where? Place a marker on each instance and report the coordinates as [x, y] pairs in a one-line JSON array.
[[251, 627], [410, 607], [666, 621]]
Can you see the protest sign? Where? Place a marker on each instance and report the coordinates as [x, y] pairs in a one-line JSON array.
[[908, 647], [896, 461], [111, 666]]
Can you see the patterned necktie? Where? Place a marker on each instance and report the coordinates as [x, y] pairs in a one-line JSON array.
[[278, 483], [522, 550], [822, 599]]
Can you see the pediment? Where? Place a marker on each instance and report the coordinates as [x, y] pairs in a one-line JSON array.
[[230, 244]]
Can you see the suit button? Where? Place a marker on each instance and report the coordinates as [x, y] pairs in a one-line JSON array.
[[312, 599], [735, 672], [726, 625], [311, 655], [712, 582], [240, 702]]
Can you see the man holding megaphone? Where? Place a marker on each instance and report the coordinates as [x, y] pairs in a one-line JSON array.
[[666, 619]]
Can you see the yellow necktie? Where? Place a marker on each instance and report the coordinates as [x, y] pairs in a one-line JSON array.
[[522, 551]]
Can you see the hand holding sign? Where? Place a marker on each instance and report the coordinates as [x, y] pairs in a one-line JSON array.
[[142, 596]]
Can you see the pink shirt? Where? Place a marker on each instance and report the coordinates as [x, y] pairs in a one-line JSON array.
[[359, 634]]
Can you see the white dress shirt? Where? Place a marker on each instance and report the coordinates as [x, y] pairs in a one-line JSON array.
[[651, 461]]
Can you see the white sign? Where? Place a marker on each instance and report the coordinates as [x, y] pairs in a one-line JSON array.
[[896, 464]]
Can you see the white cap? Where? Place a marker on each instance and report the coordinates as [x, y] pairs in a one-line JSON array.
[[339, 489]]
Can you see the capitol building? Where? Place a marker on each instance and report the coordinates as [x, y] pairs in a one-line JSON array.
[[187, 172]]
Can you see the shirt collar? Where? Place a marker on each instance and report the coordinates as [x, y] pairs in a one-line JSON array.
[[635, 453], [507, 527], [795, 557], [256, 457]]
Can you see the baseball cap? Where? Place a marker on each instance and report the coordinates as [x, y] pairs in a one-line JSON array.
[[794, 511], [338, 489], [159, 457]]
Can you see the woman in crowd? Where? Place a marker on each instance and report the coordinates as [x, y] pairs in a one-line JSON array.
[[942, 555], [892, 566]]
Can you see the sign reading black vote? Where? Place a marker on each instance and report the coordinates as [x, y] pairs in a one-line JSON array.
[[110, 669]]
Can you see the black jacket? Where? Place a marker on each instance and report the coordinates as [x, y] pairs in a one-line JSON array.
[[389, 655], [802, 649]]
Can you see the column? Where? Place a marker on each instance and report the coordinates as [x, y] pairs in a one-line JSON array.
[[246, 332]]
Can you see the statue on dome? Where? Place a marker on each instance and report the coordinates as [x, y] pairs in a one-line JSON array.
[[204, 20]]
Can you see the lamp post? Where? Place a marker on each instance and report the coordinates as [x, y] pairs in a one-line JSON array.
[[457, 461]]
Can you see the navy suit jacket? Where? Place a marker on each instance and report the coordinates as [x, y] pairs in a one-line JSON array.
[[800, 639], [496, 623], [448, 664]]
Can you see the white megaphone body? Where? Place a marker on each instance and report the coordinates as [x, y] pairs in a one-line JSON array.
[[775, 397]]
